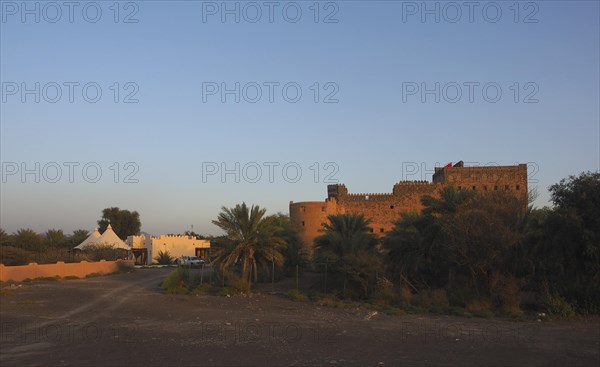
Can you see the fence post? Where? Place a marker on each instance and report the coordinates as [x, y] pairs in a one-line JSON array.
[[296, 276], [325, 277], [273, 276], [201, 273]]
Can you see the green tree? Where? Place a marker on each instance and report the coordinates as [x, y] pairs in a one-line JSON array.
[[570, 256], [348, 247], [481, 234], [252, 240], [28, 239], [461, 240], [449, 200], [55, 238], [5, 238], [418, 252], [415, 251], [123, 222], [295, 252]]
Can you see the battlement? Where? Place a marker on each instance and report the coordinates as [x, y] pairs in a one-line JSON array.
[[177, 236], [411, 183], [367, 196]]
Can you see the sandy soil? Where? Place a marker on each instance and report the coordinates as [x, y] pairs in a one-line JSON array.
[[127, 320]]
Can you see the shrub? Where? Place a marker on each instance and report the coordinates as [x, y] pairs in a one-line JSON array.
[[459, 311], [558, 306], [385, 294], [228, 291], [431, 297], [315, 295], [460, 297], [439, 297], [53, 255], [480, 308], [13, 256], [394, 311], [54, 278], [296, 295], [177, 282], [164, 258], [102, 251], [236, 282], [508, 295], [406, 295], [124, 267], [333, 301], [201, 290]]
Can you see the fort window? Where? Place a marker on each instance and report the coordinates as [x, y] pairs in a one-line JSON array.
[[518, 187], [381, 230], [371, 230], [302, 223], [322, 208], [484, 188], [506, 187], [474, 188], [459, 188], [496, 188], [391, 207]]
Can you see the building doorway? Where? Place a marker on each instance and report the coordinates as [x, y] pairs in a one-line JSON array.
[[140, 255]]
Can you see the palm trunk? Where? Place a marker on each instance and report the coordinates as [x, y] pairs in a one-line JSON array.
[[255, 270]]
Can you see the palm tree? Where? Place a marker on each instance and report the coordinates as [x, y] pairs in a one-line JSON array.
[[349, 247], [345, 234], [450, 198], [416, 246], [406, 245], [252, 239], [4, 238]]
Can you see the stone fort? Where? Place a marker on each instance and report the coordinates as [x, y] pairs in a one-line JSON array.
[[385, 208]]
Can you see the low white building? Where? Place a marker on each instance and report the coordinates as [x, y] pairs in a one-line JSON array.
[[145, 247]]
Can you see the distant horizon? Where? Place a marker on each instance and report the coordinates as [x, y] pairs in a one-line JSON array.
[[217, 233]]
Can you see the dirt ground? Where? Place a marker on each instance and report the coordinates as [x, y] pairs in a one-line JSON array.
[[127, 319]]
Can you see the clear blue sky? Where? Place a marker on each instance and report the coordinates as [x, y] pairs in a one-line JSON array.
[[374, 130]]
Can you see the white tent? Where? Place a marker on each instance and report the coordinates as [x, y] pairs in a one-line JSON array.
[[92, 238], [110, 238]]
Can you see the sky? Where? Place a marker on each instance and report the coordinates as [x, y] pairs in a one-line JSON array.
[[177, 108]]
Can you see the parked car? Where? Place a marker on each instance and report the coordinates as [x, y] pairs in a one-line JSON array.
[[191, 261]]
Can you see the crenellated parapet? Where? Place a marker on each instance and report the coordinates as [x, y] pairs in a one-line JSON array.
[[367, 197], [404, 188], [417, 182]]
